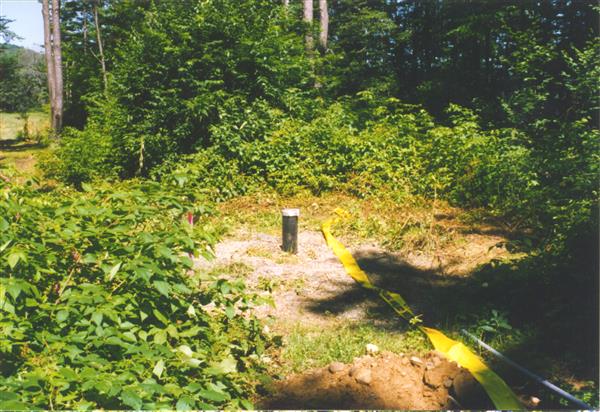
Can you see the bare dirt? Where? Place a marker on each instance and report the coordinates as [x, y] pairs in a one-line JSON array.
[[313, 288], [386, 381]]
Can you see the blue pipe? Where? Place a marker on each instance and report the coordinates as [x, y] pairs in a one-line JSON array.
[[532, 375]]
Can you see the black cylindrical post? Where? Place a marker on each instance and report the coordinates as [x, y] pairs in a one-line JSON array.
[[290, 230]]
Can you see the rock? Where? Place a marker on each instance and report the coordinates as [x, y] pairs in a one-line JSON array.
[[434, 377], [363, 376], [535, 401], [353, 370], [416, 361], [372, 349], [448, 383], [429, 365], [436, 361], [404, 361], [336, 367]]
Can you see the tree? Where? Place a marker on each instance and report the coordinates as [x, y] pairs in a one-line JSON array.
[[324, 25], [308, 19], [100, 47], [53, 53]]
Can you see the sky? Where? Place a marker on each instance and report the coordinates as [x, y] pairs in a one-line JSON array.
[[28, 23]]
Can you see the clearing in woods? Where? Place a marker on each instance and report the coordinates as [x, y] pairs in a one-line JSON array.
[[325, 318]]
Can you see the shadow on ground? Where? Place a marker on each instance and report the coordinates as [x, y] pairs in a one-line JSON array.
[[556, 311], [13, 145]]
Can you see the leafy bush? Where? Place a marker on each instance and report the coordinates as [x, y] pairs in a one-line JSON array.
[[100, 308], [400, 149]]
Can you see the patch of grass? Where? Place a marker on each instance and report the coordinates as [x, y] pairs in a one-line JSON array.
[[259, 252], [312, 347], [397, 225], [236, 270], [12, 125]]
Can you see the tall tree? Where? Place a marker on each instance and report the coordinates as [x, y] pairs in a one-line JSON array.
[[323, 24], [49, 60], [53, 53], [57, 53], [308, 19], [100, 47]]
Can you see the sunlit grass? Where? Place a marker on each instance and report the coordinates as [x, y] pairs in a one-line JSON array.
[[306, 347], [12, 124]]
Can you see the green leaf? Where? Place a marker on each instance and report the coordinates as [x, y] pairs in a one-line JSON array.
[[8, 396], [227, 365], [131, 399], [4, 246], [14, 290], [160, 337], [14, 405], [212, 395], [162, 287], [61, 316], [230, 312], [97, 318], [159, 368], [13, 259], [114, 271], [186, 350], [184, 404], [191, 311], [160, 317]]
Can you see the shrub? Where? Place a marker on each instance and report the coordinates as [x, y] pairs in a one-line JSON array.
[[99, 307]]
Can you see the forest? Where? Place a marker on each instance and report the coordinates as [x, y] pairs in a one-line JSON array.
[[146, 154]]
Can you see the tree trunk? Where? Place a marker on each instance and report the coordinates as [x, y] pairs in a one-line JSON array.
[[100, 48], [85, 29], [308, 19], [286, 3], [57, 54], [324, 24], [49, 60]]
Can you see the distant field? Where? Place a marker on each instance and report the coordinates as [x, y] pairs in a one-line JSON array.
[[11, 124]]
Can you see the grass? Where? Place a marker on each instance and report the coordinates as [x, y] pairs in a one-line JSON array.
[[12, 125], [306, 347], [18, 155], [397, 225]]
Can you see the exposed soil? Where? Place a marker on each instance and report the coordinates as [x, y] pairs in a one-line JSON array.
[[312, 287], [386, 381]]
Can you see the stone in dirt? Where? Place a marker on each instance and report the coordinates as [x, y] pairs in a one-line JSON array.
[[388, 384], [416, 361], [371, 348], [336, 367], [363, 376]]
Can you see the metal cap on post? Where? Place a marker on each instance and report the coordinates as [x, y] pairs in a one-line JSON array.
[[290, 230]]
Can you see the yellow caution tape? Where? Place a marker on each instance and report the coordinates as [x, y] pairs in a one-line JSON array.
[[498, 391]]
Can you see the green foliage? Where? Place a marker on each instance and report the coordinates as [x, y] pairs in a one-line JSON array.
[[306, 347], [81, 157], [185, 71], [400, 149], [100, 307]]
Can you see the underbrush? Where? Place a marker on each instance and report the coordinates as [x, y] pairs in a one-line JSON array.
[[100, 307]]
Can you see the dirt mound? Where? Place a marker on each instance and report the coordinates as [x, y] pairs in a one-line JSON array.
[[386, 381]]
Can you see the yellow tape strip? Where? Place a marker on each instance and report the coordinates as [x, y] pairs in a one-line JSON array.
[[502, 396]]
